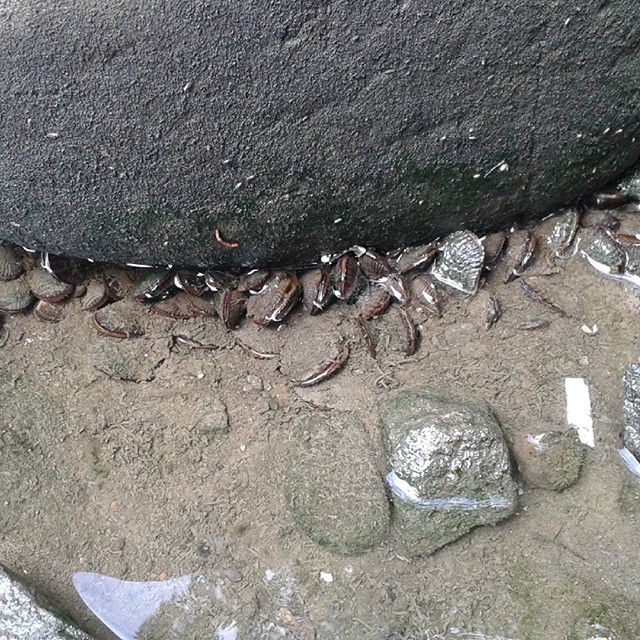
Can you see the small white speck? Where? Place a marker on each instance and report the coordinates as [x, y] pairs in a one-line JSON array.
[[53, 134], [567, 21], [473, 137], [607, 130], [14, 224], [238, 185], [443, 138], [348, 570], [420, 201], [326, 577], [243, 447], [337, 221], [504, 167], [227, 161], [199, 375], [590, 331], [579, 136], [477, 175], [325, 259], [619, 131], [139, 266]]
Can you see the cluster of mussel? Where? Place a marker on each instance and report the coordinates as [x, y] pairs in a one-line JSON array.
[[412, 278]]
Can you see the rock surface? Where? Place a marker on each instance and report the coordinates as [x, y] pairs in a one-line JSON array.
[[131, 131], [631, 409], [549, 459], [332, 487], [22, 618], [450, 467]]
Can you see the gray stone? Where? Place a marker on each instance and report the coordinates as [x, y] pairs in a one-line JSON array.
[[132, 130], [549, 459], [631, 409], [23, 618], [332, 488], [450, 467]]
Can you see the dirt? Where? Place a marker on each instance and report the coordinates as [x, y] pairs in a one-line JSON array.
[[178, 468]]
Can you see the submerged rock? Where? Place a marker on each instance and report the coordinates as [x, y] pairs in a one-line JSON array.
[[550, 459], [450, 467], [307, 128], [332, 488]]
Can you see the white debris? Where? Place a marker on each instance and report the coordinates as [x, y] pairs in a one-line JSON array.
[[589, 330], [326, 577], [630, 460], [579, 409]]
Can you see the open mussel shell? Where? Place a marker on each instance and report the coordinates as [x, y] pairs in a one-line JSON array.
[[374, 302], [233, 308], [396, 285], [414, 258], [373, 265], [253, 281], [280, 295], [96, 295], [152, 285], [346, 277], [317, 291], [603, 251], [460, 261], [15, 296], [70, 270], [49, 311], [10, 263], [45, 286], [117, 321]]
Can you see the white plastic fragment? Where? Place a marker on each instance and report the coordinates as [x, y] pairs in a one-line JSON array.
[[325, 576], [403, 490], [630, 461], [579, 409]]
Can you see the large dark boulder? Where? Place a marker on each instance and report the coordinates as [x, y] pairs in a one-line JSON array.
[[131, 130]]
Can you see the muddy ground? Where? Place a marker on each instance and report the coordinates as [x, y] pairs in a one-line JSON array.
[[179, 470]]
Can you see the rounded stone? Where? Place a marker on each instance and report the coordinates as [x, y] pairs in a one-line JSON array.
[[332, 488], [549, 459], [450, 467], [132, 131]]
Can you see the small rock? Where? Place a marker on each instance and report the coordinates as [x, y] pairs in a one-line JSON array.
[[216, 419], [252, 383], [22, 618], [551, 459], [450, 467], [631, 409], [332, 487]]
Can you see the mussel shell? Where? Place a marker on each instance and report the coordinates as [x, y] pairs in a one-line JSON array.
[[525, 257], [253, 281], [460, 261], [396, 285], [424, 293], [119, 283], [608, 200], [178, 307], [70, 270], [15, 296], [96, 295], [629, 185], [48, 311], [10, 263], [373, 265], [419, 257], [632, 262], [153, 285], [564, 231], [220, 281], [45, 286], [493, 244], [117, 321], [346, 277], [603, 248], [205, 306], [316, 290], [374, 302], [281, 294], [191, 282], [233, 308]]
